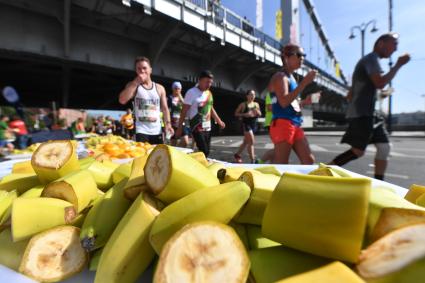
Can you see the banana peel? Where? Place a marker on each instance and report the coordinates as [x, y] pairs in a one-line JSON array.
[[335, 272], [414, 192], [257, 240], [10, 252], [23, 167], [200, 157], [102, 174], [421, 201], [275, 263], [322, 215], [121, 172], [6, 206]]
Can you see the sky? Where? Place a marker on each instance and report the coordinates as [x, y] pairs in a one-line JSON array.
[[337, 18]]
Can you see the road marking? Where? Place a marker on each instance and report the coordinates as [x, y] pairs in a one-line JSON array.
[[315, 147], [226, 151], [391, 175], [268, 146], [217, 141], [235, 144]]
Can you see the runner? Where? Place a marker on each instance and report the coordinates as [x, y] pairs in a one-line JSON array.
[[175, 105], [249, 111], [149, 99]]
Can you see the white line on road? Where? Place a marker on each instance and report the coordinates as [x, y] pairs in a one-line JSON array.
[[235, 144], [391, 175], [315, 147], [217, 141], [268, 146]]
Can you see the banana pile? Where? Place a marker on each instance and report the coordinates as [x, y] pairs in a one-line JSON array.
[[196, 221], [30, 149], [115, 147]]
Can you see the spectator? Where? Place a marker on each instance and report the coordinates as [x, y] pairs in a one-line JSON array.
[[127, 122], [5, 135], [18, 127]]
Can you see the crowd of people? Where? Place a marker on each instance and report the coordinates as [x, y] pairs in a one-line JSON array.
[[157, 118]]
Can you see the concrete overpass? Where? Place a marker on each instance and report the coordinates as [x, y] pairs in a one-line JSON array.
[[80, 53]]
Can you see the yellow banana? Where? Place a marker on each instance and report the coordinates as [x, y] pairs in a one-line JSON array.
[[256, 238], [269, 169], [262, 186], [421, 200], [121, 172], [23, 167], [381, 198], [34, 192], [414, 192], [274, 263], [86, 162], [215, 167], [54, 255], [33, 215], [240, 229], [392, 218], [325, 216], [19, 181], [203, 252], [323, 170], [79, 188], [94, 259], [6, 205], [102, 174], [335, 272], [398, 257], [172, 174], [200, 157], [103, 217], [230, 174], [219, 203], [54, 159], [136, 181], [128, 252], [11, 253]]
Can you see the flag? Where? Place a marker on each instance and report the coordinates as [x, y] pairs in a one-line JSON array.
[[337, 70]]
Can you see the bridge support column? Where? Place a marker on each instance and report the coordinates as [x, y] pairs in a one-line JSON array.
[[66, 83]]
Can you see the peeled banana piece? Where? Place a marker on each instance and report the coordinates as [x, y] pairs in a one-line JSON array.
[[33, 215], [397, 257], [262, 187], [203, 252], [219, 203], [79, 188], [54, 255], [335, 272], [172, 174], [322, 215], [128, 251], [54, 159], [104, 216]]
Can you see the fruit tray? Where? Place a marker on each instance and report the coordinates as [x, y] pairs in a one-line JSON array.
[[8, 275]]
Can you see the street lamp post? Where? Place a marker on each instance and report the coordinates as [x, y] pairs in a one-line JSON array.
[[362, 28]]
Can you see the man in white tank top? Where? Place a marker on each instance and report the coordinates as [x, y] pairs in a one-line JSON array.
[[149, 100]]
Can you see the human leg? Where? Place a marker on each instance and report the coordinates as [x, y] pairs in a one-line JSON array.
[[282, 151], [201, 142], [302, 149], [381, 159]]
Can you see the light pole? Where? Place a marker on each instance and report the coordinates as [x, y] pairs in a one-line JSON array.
[[362, 28]]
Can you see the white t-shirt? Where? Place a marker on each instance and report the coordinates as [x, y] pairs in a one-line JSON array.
[[199, 101], [147, 110]]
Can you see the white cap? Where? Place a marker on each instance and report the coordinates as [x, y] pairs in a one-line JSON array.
[[176, 85]]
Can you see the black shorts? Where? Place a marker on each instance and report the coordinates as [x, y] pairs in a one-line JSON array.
[[365, 130], [152, 139], [249, 126]]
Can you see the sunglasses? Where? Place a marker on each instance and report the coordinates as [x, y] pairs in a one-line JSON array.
[[299, 54]]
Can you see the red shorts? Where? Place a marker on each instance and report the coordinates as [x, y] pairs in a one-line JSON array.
[[282, 130]]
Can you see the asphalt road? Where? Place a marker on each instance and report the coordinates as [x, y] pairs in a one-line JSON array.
[[406, 165]]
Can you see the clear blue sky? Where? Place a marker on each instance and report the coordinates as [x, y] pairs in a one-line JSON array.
[[338, 17]]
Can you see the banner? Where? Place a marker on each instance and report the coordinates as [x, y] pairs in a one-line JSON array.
[[278, 27]]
